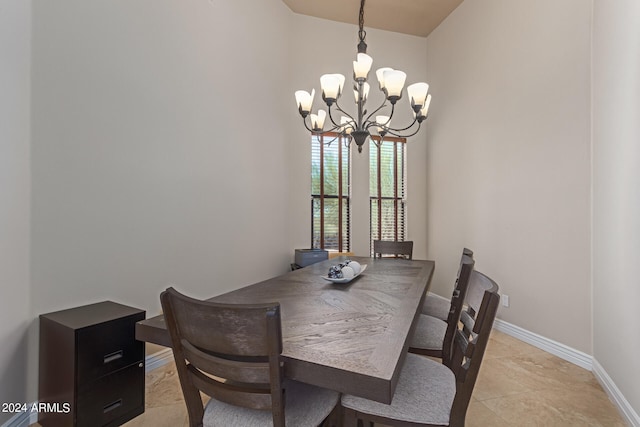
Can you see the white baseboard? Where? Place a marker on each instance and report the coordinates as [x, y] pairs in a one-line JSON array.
[[550, 346], [153, 361], [616, 396]]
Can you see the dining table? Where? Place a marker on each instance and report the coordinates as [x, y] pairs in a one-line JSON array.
[[350, 337]]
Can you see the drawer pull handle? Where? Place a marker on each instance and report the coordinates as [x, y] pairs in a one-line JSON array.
[[112, 406], [108, 358]]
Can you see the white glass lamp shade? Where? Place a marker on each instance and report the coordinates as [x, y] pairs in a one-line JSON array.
[[394, 82], [341, 79], [346, 124], [380, 76], [317, 120], [304, 100], [362, 66], [382, 121], [365, 92], [331, 85], [425, 110], [417, 94]]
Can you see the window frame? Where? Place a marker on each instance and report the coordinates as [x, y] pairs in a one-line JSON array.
[[343, 195], [399, 200]]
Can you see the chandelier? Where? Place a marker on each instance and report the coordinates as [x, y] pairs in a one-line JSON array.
[[359, 127]]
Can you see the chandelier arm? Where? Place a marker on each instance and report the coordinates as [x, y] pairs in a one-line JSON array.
[[334, 138], [332, 130], [335, 125], [390, 132], [405, 128], [384, 104], [353, 121], [344, 112], [304, 121]]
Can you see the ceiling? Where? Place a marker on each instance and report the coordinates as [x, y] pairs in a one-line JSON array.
[[415, 17]]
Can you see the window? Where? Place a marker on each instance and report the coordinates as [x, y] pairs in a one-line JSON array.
[[330, 191], [387, 176]]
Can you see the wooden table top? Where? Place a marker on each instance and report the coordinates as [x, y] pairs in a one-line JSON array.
[[347, 337]]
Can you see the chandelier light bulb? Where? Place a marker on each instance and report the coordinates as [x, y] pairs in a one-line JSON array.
[[341, 79], [394, 82], [304, 100], [330, 85], [425, 110], [417, 94], [380, 75], [382, 121], [317, 120], [365, 92], [362, 66]]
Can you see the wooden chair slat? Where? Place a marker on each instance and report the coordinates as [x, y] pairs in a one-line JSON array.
[[468, 322], [245, 395], [234, 370]]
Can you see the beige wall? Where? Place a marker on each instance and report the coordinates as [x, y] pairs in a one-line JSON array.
[[616, 192], [509, 158], [146, 169], [154, 126], [15, 60], [317, 47]]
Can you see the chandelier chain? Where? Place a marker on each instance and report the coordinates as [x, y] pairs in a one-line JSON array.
[[362, 33]]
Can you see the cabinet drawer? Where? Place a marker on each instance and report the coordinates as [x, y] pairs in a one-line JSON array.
[[112, 399], [107, 347]]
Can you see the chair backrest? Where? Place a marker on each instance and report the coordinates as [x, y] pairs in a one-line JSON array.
[[457, 302], [230, 352], [405, 249], [470, 341], [465, 253]]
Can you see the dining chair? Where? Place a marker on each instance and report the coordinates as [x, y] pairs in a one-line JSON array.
[[387, 247], [429, 393], [232, 353], [439, 307], [434, 337]]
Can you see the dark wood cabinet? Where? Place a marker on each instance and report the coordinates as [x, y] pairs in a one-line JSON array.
[[91, 366]]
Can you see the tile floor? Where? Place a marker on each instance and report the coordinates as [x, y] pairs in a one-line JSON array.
[[518, 385]]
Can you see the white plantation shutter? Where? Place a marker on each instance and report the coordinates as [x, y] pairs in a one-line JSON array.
[[387, 200], [330, 191]]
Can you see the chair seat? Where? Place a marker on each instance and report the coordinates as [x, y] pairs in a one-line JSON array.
[[305, 405], [436, 307], [424, 394], [429, 333]]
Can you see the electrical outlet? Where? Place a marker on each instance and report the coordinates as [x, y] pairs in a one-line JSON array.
[[505, 300]]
